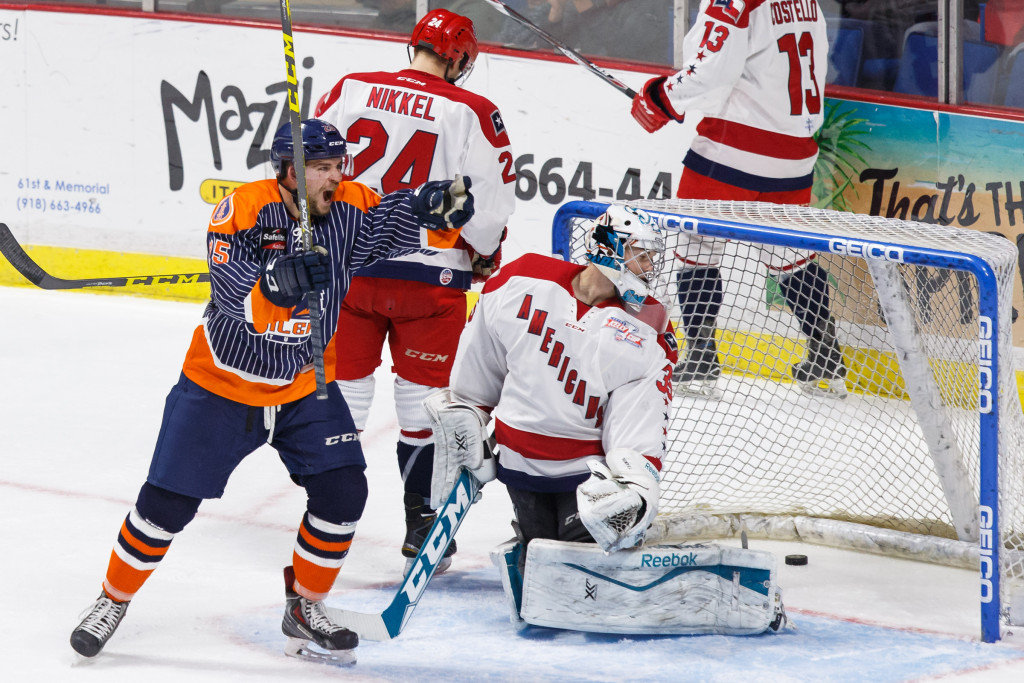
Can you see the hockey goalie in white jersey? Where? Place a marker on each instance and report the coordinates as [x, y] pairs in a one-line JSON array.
[[572, 365]]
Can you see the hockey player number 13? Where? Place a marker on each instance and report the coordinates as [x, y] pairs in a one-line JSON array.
[[795, 48]]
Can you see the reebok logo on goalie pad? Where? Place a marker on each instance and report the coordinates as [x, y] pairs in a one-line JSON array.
[[673, 560]]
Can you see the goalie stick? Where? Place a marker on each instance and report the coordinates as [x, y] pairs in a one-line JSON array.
[[299, 161], [567, 51], [390, 622], [31, 271]]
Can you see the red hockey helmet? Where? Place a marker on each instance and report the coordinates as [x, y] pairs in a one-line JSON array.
[[449, 36]]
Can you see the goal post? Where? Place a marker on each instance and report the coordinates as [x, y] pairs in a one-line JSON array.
[[922, 457]]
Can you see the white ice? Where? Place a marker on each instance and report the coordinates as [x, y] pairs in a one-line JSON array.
[[82, 383]]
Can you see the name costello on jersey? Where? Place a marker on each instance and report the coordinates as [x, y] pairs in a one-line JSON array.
[[790, 11]]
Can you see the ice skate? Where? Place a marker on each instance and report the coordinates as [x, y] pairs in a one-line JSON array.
[[822, 373], [98, 625], [419, 518], [311, 633], [697, 375]]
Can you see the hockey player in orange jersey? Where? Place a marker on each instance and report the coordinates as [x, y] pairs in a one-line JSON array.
[[248, 380]]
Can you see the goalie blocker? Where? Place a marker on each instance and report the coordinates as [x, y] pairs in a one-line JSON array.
[[678, 589], [460, 440]]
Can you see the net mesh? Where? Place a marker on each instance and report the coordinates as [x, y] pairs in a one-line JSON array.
[[891, 462]]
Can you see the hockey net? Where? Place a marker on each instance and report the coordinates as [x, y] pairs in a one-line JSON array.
[[904, 461]]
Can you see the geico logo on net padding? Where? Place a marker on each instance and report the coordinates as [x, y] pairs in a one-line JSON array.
[[673, 560], [871, 250], [985, 553], [985, 364]]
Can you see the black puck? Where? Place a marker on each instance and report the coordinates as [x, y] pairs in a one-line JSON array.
[[796, 559]]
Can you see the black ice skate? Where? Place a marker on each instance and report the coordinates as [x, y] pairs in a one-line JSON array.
[[99, 624], [822, 372], [698, 373], [418, 520], [306, 623]]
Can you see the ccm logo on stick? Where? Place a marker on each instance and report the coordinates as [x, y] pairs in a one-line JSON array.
[[872, 250]]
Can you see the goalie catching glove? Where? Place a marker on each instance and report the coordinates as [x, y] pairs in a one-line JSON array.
[[619, 500], [460, 440], [444, 204]]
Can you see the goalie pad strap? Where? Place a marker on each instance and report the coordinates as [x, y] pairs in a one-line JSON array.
[[685, 589]]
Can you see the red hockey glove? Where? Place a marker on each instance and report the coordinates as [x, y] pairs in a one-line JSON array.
[[647, 109]]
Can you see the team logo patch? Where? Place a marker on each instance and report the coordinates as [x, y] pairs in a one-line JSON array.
[[730, 8], [274, 238], [671, 342], [499, 124], [625, 331], [446, 276], [224, 211]]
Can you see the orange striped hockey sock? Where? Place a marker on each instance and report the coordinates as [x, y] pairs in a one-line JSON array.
[[140, 547], [320, 550]]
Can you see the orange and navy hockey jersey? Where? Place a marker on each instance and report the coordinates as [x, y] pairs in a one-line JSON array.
[[249, 350]]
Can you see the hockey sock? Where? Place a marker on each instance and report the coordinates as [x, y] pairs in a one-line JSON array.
[[336, 499], [700, 297], [320, 550], [144, 538], [806, 291], [416, 460]]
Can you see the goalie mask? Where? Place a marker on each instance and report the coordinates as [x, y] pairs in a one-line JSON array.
[[627, 246]]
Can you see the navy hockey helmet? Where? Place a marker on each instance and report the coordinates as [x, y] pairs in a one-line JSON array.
[[320, 140]]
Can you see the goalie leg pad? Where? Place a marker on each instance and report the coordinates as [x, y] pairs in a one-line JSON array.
[[460, 440], [681, 589]]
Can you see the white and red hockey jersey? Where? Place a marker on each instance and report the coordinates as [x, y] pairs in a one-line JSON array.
[[756, 70], [567, 381], [409, 127]]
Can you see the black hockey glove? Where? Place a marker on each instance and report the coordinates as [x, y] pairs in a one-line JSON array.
[[286, 280], [444, 204]]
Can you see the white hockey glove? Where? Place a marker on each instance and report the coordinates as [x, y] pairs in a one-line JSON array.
[[460, 440], [619, 500]]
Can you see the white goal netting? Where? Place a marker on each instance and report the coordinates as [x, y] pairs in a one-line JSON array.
[[892, 463]]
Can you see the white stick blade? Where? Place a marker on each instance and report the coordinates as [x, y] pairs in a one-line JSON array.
[[367, 626]]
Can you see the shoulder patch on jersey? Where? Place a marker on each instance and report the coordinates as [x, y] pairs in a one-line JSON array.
[[625, 331], [274, 238], [499, 124], [224, 211], [727, 10], [670, 341]]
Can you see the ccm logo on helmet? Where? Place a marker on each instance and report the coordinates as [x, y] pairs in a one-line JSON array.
[[871, 250]]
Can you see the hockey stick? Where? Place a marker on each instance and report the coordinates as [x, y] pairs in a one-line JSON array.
[[568, 52], [392, 620], [31, 271], [299, 161]]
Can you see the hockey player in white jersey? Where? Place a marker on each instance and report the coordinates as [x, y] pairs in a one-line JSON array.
[[408, 127], [572, 365], [756, 71]]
